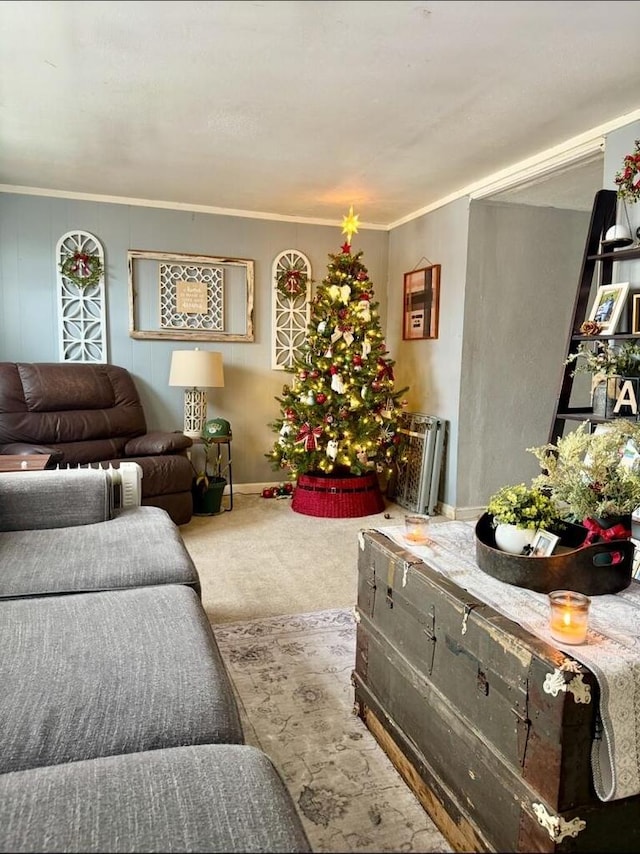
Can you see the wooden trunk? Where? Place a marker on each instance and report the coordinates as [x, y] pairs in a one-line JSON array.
[[477, 715]]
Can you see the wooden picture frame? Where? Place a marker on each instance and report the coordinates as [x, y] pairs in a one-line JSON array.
[[635, 315], [608, 305], [421, 309], [543, 543], [190, 297]]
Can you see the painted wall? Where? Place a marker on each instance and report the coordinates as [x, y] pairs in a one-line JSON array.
[[522, 279], [432, 367], [30, 227]]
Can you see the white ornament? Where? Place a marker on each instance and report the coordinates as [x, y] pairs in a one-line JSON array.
[[366, 348], [322, 326], [311, 399], [337, 384], [341, 293], [332, 449], [364, 310]]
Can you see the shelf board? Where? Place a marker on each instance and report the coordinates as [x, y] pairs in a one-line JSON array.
[[617, 255], [618, 336]]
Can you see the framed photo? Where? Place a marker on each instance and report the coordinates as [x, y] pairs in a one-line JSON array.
[[421, 303], [635, 315], [608, 305], [543, 544]]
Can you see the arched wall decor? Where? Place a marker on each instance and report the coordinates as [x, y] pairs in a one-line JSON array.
[[82, 333], [290, 314]]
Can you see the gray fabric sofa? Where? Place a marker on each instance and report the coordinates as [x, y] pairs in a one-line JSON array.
[[119, 728]]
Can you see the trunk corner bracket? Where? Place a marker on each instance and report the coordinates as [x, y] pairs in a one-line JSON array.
[[556, 826], [575, 685]]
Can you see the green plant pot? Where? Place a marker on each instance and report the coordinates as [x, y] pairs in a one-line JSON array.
[[208, 502]]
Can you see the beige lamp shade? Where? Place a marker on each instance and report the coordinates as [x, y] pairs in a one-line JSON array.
[[196, 370]]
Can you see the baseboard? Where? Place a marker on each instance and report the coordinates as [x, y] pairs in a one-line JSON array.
[[462, 514]]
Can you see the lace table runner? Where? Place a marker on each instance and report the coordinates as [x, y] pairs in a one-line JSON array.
[[612, 650]]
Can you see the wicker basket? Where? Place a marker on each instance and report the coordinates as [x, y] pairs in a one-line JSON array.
[[338, 498]]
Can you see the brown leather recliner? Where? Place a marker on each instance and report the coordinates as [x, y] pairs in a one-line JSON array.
[[86, 414]]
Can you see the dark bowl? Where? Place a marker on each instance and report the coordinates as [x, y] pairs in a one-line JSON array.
[[593, 570]]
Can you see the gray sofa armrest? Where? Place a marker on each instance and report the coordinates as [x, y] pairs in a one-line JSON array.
[[57, 498], [158, 442]]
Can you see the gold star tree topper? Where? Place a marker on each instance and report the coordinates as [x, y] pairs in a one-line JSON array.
[[350, 224]]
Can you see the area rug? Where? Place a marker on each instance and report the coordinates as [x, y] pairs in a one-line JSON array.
[[292, 676]]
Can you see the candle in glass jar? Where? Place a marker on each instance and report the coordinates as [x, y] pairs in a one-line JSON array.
[[569, 616]]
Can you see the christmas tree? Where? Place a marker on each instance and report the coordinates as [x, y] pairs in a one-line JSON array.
[[339, 414]]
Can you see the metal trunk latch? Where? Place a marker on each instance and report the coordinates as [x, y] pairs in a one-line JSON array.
[[556, 826]]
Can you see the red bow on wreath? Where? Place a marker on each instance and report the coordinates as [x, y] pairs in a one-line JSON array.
[[309, 435], [80, 264], [596, 532]]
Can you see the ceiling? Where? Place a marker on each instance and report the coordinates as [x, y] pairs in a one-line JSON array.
[[297, 110]]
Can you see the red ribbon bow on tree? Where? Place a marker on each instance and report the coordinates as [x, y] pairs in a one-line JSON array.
[[384, 370], [309, 435], [597, 532]]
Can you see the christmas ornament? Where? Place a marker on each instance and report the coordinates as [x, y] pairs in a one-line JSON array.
[[322, 326], [321, 398], [340, 293], [310, 398], [309, 436], [332, 449], [343, 331], [82, 269], [337, 384], [346, 248], [364, 310], [366, 348]]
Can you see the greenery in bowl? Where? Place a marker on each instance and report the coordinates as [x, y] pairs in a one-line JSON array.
[[597, 475], [523, 506]]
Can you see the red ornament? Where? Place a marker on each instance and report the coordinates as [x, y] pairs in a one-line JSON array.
[[357, 360], [333, 369], [321, 397], [342, 313], [362, 277], [314, 374], [290, 414], [303, 375], [346, 248], [267, 492], [288, 487]]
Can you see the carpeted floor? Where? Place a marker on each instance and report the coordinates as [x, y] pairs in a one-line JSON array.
[[262, 559], [292, 676]]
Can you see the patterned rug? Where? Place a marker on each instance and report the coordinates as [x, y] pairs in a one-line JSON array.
[[292, 675]]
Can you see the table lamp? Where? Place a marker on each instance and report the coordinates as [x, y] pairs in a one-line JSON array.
[[196, 370]]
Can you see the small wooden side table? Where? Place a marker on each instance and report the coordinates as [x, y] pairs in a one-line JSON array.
[[23, 462]]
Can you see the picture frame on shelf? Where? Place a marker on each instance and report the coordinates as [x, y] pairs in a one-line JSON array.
[[421, 310], [543, 543], [635, 315], [608, 305]]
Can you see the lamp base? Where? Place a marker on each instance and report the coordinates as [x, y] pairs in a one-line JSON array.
[[195, 412]]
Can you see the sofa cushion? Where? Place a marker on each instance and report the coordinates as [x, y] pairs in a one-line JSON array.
[[97, 674], [139, 546], [53, 499], [204, 798]]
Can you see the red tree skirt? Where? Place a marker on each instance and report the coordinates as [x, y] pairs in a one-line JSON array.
[[343, 497]]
